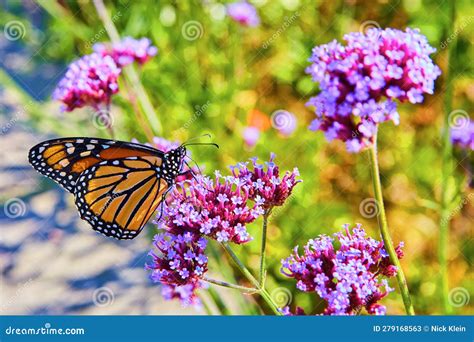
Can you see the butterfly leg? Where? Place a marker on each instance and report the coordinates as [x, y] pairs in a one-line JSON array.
[[163, 203], [189, 171]]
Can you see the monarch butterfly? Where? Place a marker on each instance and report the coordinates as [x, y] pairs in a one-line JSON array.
[[117, 185]]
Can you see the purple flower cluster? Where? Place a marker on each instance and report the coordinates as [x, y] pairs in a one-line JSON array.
[[92, 79], [265, 186], [348, 278], [128, 50], [216, 208], [463, 135], [360, 81], [179, 263], [220, 209], [89, 81], [243, 13]]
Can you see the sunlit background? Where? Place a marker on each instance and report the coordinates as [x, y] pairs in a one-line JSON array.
[[214, 76]]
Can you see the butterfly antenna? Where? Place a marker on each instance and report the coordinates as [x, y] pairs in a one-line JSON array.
[[203, 144], [195, 138]]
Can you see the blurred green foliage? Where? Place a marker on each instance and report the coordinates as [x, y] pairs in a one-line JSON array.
[[212, 83]]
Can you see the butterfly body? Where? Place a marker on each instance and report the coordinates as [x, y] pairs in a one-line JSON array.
[[117, 185]]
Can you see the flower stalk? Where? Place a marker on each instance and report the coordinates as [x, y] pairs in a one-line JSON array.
[[384, 230], [249, 290], [141, 119], [260, 290], [446, 168], [130, 71], [263, 271], [107, 120]]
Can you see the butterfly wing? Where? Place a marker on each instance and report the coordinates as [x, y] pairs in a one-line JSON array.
[[63, 160], [118, 197], [117, 185]]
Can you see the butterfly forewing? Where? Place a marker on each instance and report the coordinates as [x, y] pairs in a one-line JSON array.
[[63, 160]]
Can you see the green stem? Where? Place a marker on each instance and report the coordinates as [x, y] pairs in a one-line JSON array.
[[446, 168], [108, 121], [265, 295], [263, 271], [229, 285], [141, 119], [387, 240], [130, 71]]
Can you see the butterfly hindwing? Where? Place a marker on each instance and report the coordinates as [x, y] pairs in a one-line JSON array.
[[117, 197]]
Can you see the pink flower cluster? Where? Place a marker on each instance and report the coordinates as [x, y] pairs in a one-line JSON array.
[[462, 135], [89, 81], [216, 208], [347, 278], [266, 186], [93, 79], [220, 209], [360, 81], [179, 263], [128, 50], [243, 13]]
